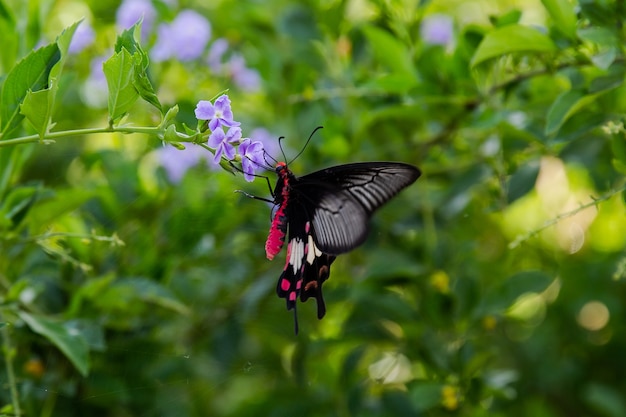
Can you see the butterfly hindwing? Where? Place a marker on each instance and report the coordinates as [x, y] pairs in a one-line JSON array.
[[314, 277], [306, 267]]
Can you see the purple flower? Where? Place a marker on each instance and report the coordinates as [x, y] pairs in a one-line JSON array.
[[185, 38], [252, 154], [130, 11], [437, 29], [218, 114], [216, 55], [223, 143], [83, 37], [177, 162], [269, 141], [246, 78]]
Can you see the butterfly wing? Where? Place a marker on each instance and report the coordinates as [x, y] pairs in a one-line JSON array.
[[314, 277], [326, 214], [306, 267], [345, 196]]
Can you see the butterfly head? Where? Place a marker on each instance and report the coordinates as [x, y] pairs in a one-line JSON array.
[[280, 166]]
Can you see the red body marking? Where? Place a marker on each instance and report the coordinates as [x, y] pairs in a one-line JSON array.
[[278, 229]]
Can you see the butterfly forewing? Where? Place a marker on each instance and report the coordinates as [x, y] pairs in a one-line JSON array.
[[345, 197]]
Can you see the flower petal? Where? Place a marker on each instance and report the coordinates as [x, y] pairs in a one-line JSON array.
[[216, 138], [204, 110]]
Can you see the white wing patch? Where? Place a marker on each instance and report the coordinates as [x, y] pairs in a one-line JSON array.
[[312, 251], [296, 255]]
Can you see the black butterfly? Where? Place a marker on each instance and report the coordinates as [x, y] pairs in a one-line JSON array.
[[326, 213]]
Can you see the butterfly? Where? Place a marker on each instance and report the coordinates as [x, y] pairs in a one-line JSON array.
[[324, 214]]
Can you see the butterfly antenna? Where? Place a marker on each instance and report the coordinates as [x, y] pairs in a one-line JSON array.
[[305, 145], [280, 145], [265, 154]]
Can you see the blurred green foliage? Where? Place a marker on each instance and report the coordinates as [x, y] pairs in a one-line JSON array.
[[493, 286]]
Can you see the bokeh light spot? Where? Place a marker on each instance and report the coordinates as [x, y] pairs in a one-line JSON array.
[[593, 316]]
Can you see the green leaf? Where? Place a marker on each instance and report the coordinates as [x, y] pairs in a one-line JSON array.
[[605, 400], [607, 43], [506, 19], [90, 290], [149, 291], [17, 204], [396, 403], [506, 292], [9, 38], [65, 38], [620, 167], [72, 344], [392, 83], [391, 53], [119, 72], [12, 160], [618, 146], [64, 201], [512, 39], [605, 58], [144, 87], [598, 35], [614, 78], [562, 12], [522, 181], [425, 395], [31, 73], [128, 40], [37, 107], [390, 263], [564, 106]]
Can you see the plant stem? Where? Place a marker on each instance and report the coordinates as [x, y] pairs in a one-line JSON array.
[[8, 361], [79, 132]]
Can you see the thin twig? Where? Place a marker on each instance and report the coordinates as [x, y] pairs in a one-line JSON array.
[[549, 223], [52, 136], [113, 239]]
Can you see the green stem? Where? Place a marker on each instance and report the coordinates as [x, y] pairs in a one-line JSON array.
[[8, 361], [114, 239], [524, 237], [80, 132]]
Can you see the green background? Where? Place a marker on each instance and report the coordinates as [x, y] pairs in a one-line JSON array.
[[492, 286]]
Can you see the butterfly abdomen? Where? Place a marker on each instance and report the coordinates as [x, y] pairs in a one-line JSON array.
[[278, 229]]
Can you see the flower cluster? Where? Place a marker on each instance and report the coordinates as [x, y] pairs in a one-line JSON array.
[[234, 67], [186, 39], [219, 117], [225, 139]]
